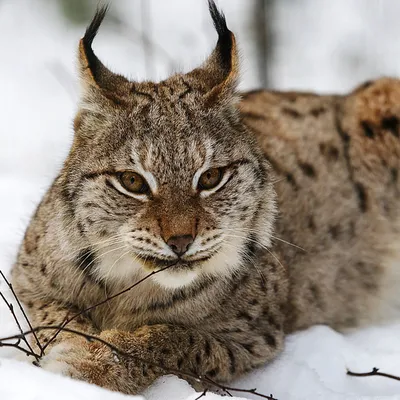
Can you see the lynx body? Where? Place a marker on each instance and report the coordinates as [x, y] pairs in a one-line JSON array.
[[262, 213]]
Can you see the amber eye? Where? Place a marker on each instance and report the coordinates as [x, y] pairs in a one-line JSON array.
[[210, 179], [133, 182]]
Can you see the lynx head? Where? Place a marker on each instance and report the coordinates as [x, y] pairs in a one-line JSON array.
[[165, 174]]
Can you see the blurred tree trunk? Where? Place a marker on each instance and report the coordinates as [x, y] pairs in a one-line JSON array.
[[263, 13]]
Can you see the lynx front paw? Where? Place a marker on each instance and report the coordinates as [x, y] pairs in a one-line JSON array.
[[92, 362], [60, 359]]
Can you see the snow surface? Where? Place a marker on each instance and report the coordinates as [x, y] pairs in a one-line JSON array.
[[37, 101]]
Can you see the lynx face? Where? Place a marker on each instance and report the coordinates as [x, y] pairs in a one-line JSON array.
[[165, 174]]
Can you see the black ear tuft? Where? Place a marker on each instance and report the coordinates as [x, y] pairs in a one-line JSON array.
[[90, 34], [92, 29], [225, 37], [94, 74], [218, 18]]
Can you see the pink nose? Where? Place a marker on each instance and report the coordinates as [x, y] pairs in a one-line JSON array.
[[180, 244]]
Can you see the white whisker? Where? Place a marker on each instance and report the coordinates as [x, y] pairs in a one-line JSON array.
[[246, 230], [261, 245]]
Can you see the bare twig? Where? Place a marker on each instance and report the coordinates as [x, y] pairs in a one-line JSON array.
[[20, 348], [11, 308], [107, 299], [374, 372], [201, 395], [9, 284], [233, 389]]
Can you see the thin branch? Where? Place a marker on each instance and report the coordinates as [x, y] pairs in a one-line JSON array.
[[21, 308], [233, 389], [374, 372], [20, 348], [107, 299], [11, 308], [199, 378], [201, 395]]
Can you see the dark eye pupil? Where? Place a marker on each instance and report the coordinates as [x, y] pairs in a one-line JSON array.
[[132, 180]]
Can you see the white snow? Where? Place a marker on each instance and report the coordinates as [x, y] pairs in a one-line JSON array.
[[37, 100]]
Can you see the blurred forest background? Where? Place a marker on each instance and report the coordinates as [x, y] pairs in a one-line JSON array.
[[319, 45]]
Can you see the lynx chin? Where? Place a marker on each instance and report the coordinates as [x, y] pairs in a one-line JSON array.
[[263, 212]]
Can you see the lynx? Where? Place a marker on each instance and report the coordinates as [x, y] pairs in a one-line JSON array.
[[260, 213]]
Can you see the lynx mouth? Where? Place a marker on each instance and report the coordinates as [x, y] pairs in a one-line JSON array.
[[155, 263]]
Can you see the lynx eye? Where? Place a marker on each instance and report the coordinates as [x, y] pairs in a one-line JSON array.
[[133, 182], [210, 179]]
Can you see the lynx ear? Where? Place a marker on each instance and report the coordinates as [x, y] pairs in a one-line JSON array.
[[220, 71], [94, 75]]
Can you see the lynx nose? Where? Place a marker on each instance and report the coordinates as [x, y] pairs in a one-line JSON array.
[[180, 244]]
